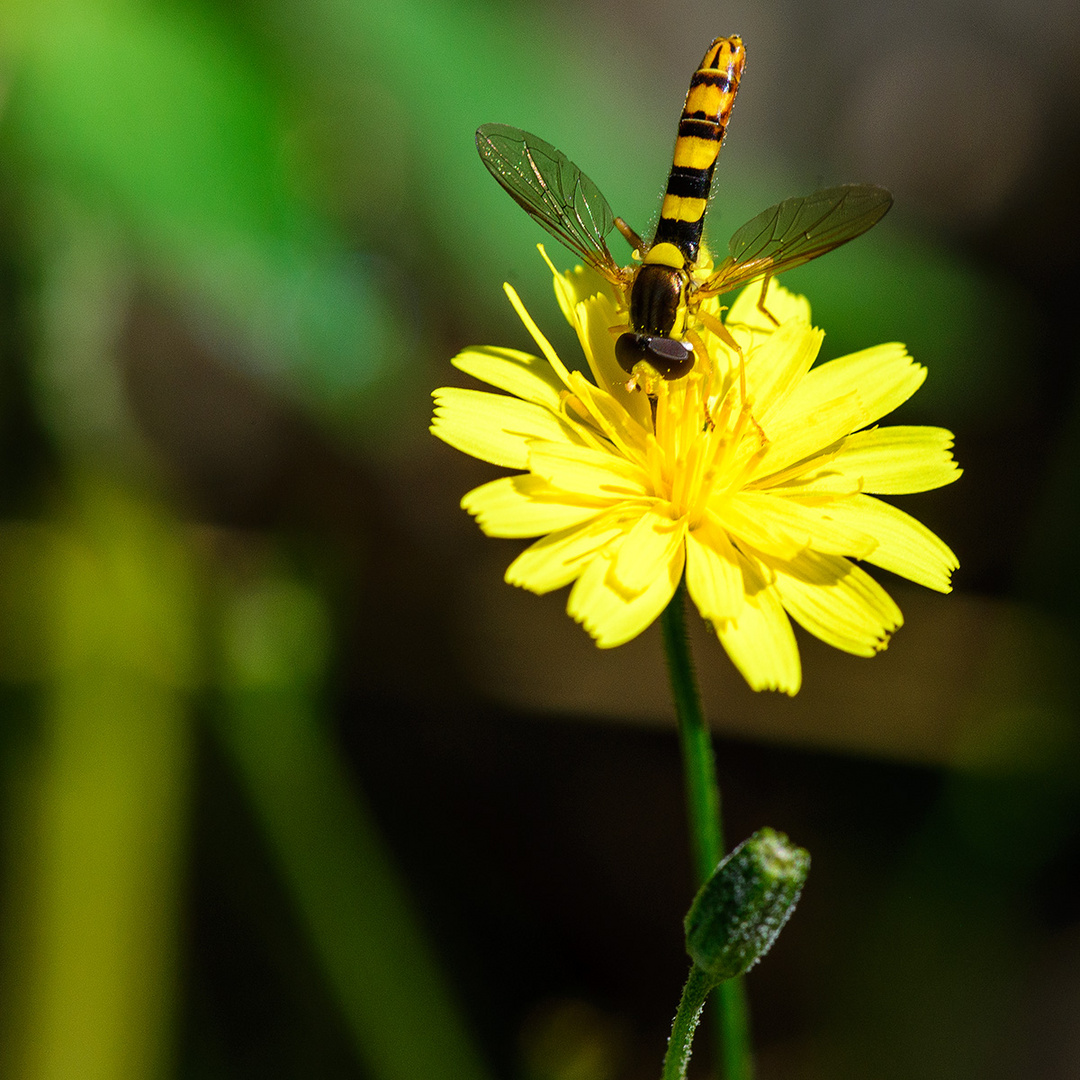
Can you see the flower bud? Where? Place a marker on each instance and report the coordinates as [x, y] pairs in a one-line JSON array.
[[738, 912]]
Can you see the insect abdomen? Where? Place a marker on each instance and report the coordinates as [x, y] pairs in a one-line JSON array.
[[701, 131]]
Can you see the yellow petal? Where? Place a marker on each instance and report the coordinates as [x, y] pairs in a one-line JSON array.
[[534, 332], [609, 414], [610, 615], [649, 548], [812, 483], [515, 506], [573, 286], [566, 286], [594, 318], [713, 575], [883, 376], [759, 639], [598, 474], [781, 303], [782, 527], [776, 367], [799, 438], [739, 520], [905, 546], [555, 560], [837, 602], [494, 427], [899, 460], [836, 399], [527, 377]]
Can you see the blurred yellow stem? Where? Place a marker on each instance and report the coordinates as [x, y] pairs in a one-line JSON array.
[[95, 881]]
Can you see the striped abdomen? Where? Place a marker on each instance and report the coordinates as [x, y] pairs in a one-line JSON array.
[[701, 131]]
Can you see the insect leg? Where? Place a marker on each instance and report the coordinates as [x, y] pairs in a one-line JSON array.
[[710, 322], [761, 301], [629, 235], [700, 352]]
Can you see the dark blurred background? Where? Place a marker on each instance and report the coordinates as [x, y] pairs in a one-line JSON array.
[[292, 784]]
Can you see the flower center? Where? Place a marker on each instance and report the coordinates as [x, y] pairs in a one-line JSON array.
[[701, 446]]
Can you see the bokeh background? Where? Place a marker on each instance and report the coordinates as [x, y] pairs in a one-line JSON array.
[[291, 785]]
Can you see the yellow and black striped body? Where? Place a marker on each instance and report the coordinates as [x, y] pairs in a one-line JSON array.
[[702, 127], [658, 304], [664, 290]]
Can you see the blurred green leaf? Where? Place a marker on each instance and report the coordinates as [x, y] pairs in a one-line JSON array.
[[362, 925], [159, 117], [968, 329], [409, 83]]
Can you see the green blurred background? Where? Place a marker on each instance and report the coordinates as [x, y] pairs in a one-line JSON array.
[[291, 785]]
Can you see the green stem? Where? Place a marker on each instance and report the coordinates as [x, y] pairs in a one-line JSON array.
[[735, 1030], [686, 1021], [703, 807], [702, 790]]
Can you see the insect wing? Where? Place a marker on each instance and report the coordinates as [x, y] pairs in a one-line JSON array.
[[797, 230], [552, 190]]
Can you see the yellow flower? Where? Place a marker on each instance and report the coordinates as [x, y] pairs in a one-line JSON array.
[[763, 503]]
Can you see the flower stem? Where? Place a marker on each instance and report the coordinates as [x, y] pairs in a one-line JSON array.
[[686, 1021], [703, 807], [702, 790]]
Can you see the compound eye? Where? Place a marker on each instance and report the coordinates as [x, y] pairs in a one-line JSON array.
[[670, 358], [630, 350]]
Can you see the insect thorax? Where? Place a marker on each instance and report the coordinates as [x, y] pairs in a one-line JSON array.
[[658, 316], [658, 301]]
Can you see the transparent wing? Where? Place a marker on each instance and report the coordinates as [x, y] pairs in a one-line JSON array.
[[797, 230], [552, 190]]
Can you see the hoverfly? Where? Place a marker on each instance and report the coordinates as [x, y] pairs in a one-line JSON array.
[[660, 292]]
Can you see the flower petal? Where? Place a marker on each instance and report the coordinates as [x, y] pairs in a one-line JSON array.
[[749, 326], [598, 474], [569, 286], [837, 398], [775, 367], [542, 342], [593, 319], [589, 304], [494, 427], [818, 432], [515, 506], [898, 460], [608, 412], [781, 303], [812, 481], [713, 575], [527, 377], [574, 285], [759, 639], [557, 559], [905, 546], [782, 527], [611, 615], [648, 549], [884, 376], [838, 602]]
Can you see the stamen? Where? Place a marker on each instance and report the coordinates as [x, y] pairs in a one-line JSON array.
[[542, 342]]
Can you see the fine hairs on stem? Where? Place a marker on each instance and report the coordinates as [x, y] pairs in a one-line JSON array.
[[706, 829]]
